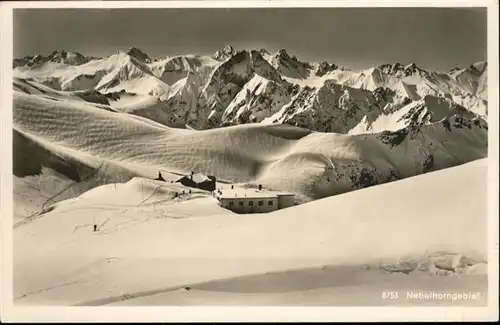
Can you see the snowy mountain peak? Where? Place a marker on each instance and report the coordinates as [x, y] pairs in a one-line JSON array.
[[283, 55], [477, 68], [263, 52], [398, 69], [290, 66], [480, 66], [37, 58], [325, 67], [139, 54], [224, 54], [59, 56], [71, 58]]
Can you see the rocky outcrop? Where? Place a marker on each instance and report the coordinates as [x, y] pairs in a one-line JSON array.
[[325, 67], [139, 55], [224, 54], [402, 70]]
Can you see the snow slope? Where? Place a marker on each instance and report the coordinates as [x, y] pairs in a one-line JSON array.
[[281, 157], [149, 245]]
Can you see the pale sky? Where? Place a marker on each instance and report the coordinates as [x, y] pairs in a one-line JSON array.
[[433, 38]]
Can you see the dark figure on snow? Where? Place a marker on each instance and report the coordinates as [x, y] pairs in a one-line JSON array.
[[95, 227], [160, 178]]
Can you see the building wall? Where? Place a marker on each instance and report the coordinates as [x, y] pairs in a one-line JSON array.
[[285, 201], [244, 205], [209, 185]]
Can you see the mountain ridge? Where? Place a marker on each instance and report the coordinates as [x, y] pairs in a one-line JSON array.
[[235, 86]]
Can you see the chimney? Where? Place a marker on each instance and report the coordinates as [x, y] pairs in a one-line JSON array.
[[212, 182], [192, 173]]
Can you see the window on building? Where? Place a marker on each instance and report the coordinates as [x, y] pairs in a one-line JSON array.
[[269, 202], [240, 203], [250, 203], [261, 203], [231, 203]]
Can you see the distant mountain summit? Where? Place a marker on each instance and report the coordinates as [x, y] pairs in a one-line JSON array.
[[61, 56], [139, 55], [290, 66], [402, 70], [325, 67], [224, 54]]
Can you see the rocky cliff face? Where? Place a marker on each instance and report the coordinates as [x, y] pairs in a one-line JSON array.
[[139, 55]]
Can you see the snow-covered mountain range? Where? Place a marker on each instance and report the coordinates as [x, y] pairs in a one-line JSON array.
[[247, 86]]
